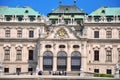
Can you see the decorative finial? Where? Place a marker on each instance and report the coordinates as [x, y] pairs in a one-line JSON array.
[[60, 2], [74, 2]]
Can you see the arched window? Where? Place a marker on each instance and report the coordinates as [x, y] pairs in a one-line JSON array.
[[75, 61], [61, 61], [47, 61]]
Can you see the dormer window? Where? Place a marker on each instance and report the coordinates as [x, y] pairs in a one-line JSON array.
[[26, 11], [66, 9], [103, 11]]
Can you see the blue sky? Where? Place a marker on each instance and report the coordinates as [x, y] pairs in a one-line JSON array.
[[45, 6]]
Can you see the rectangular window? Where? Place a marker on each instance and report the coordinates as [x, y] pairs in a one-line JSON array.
[[119, 34], [30, 69], [19, 33], [7, 55], [96, 70], [30, 54], [118, 56], [108, 56], [19, 55], [18, 69], [109, 71], [6, 70], [119, 71], [31, 34], [7, 33], [96, 34], [109, 34], [96, 55]]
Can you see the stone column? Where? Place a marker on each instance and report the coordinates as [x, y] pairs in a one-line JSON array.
[[41, 63], [68, 63], [55, 63], [71, 21]]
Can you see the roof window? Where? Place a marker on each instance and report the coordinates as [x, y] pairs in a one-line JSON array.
[[103, 11], [26, 11], [66, 9]]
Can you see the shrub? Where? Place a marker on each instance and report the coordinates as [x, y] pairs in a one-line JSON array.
[[103, 75]]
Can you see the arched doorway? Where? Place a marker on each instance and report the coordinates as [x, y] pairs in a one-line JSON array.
[[61, 61], [75, 61], [47, 61]]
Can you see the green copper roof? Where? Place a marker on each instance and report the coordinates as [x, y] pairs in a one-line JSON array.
[[67, 9], [108, 11], [17, 11]]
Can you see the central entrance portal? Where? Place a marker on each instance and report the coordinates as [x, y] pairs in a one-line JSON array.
[[61, 61]]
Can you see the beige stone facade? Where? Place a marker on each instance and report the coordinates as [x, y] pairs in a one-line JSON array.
[[26, 45]]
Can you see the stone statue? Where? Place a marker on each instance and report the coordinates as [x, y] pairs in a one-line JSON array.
[[116, 68]]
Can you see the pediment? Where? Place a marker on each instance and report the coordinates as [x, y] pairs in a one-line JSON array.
[[61, 32]]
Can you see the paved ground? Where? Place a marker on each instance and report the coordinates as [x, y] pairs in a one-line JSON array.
[[50, 77]]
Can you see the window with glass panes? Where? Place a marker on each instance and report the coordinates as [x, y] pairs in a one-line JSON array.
[[96, 34], [108, 34], [7, 55], [109, 55], [19, 55], [96, 70], [30, 69], [108, 71], [119, 55], [31, 34], [19, 33], [30, 55], [6, 70], [119, 34], [96, 55], [7, 33]]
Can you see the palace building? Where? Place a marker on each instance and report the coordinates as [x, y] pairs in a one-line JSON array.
[[67, 39]]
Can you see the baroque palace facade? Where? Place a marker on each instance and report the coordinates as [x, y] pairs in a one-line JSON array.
[[67, 39]]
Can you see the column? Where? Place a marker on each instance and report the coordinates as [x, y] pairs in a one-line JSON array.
[[41, 63], [68, 63], [71, 21], [55, 63]]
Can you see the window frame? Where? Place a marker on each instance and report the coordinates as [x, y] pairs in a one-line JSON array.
[[96, 70], [109, 55], [96, 55], [31, 55], [108, 71], [19, 33], [7, 55], [7, 33], [109, 34], [19, 55], [6, 70], [96, 34], [31, 33]]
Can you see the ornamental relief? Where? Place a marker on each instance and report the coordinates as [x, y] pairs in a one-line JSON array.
[[61, 34]]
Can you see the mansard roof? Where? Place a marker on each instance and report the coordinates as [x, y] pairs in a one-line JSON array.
[[17, 11], [67, 9], [108, 11]]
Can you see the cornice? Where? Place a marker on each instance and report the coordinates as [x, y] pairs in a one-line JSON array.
[[101, 24], [22, 23], [104, 40], [17, 40]]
